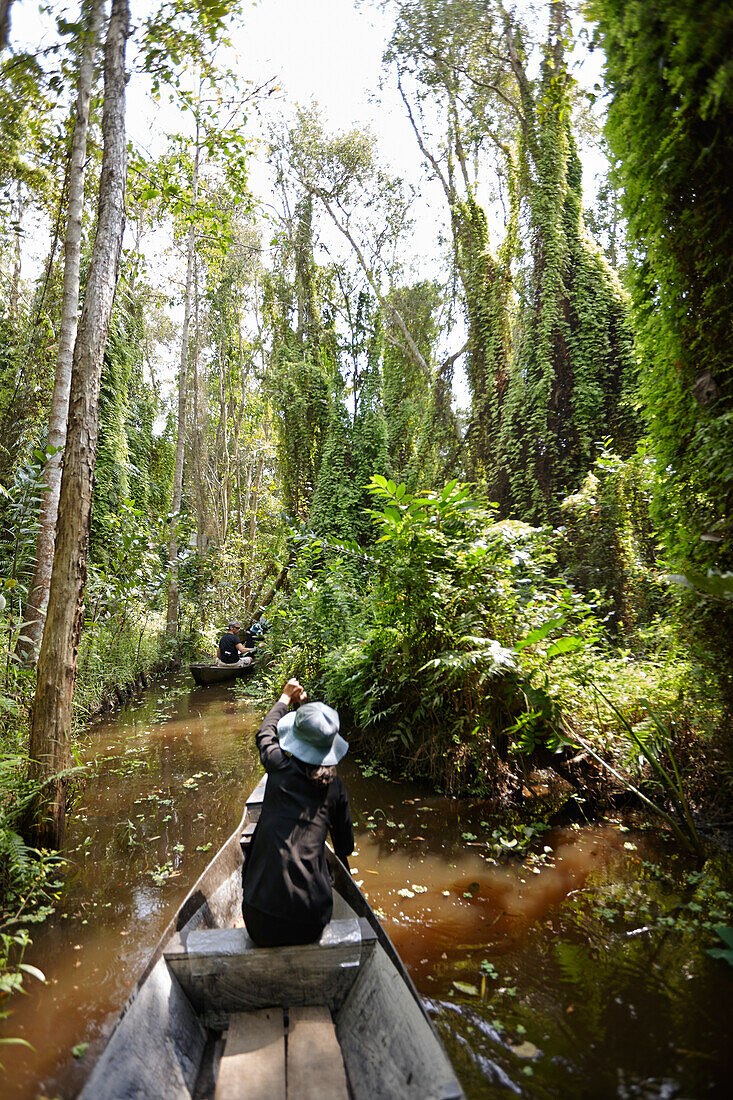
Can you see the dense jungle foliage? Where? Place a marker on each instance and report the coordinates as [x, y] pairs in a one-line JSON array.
[[483, 502]]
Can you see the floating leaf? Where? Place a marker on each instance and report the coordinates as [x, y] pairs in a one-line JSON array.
[[34, 971], [80, 1050], [464, 987], [525, 1050]]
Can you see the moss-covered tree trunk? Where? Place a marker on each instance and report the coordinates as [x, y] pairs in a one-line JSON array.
[[49, 748], [572, 377], [301, 364]]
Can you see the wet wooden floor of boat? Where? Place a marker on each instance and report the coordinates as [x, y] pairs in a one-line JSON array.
[[275, 1055]]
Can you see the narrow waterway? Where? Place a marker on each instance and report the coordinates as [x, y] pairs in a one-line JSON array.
[[561, 963]]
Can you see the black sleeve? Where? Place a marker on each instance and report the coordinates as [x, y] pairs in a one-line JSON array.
[[340, 823], [272, 756]]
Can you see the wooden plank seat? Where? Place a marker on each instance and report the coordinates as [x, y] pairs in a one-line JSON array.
[[221, 970], [275, 1055]]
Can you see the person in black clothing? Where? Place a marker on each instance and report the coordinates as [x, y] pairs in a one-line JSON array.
[[254, 635], [287, 897], [231, 650]]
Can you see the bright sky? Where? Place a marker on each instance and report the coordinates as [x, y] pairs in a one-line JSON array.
[[329, 51], [326, 51], [323, 49]]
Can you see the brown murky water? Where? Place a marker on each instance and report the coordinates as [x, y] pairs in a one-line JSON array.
[[540, 978]]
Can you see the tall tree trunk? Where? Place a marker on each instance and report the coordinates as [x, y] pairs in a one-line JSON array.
[[261, 605], [35, 610], [15, 283], [4, 22], [200, 416], [222, 458], [172, 616], [49, 749], [255, 498]]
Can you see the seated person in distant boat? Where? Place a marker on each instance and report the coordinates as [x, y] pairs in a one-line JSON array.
[[231, 651], [254, 636], [287, 896]]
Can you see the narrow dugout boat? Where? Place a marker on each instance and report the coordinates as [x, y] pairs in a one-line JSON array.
[[215, 1018], [218, 674]]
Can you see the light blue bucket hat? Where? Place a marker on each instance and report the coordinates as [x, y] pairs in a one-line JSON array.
[[311, 734]]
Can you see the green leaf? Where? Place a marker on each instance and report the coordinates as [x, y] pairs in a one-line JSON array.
[[715, 584], [725, 934], [540, 633], [568, 644]]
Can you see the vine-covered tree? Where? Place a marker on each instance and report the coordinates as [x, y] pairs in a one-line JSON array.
[[572, 381], [438, 49], [302, 366], [669, 73], [550, 359]]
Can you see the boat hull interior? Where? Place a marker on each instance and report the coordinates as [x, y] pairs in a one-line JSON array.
[[214, 1017]]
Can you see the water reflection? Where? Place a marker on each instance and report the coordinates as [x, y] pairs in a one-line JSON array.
[[459, 901], [536, 986], [531, 990]]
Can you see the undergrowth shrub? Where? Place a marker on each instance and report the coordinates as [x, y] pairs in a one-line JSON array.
[[433, 685], [327, 605], [607, 541], [29, 884], [111, 655], [457, 650]]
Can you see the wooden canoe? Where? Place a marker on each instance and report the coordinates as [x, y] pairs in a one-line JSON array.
[[215, 1018], [218, 674]]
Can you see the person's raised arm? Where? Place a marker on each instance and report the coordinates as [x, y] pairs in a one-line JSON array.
[[271, 755], [293, 692]]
